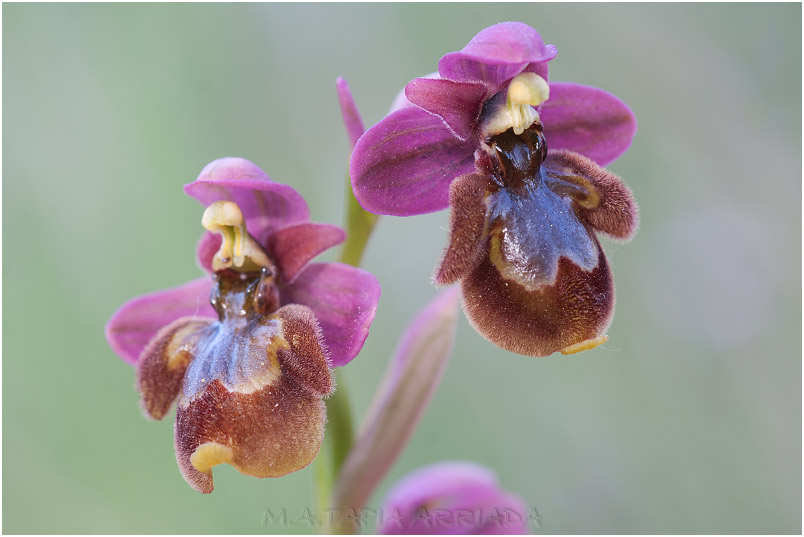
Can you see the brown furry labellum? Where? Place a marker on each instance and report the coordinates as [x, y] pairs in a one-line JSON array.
[[250, 386], [522, 243]]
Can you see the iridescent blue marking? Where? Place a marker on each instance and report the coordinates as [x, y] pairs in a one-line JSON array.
[[234, 351], [538, 227]]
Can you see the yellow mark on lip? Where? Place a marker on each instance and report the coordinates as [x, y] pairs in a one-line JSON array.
[[181, 347], [585, 345], [210, 454]]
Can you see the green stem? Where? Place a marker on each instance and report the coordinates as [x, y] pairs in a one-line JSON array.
[[359, 225], [339, 412], [340, 427], [322, 480]]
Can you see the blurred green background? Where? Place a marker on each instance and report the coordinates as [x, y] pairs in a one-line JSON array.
[[687, 420]]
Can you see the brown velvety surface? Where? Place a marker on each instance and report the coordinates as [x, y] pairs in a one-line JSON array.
[[163, 363], [304, 359], [577, 307], [616, 214], [467, 228], [271, 432]]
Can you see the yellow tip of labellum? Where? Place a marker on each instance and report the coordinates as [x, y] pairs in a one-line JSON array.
[[585, 345], [239, 251], [210, 454]]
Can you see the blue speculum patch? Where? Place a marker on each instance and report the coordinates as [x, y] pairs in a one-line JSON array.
[[532, 218], [239, 349], [536, 228]]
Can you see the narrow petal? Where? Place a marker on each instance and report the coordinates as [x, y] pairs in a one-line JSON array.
[[164, 362], [344, 300], [410, 381], [268, 433], [294, 246], [266, 205], [576, 309], [615, 213], [404, 164], [497, 54], [351, 115], [138, 320], [452, 497], [588, 121], [467, 233], [401, 101], [457, 104]]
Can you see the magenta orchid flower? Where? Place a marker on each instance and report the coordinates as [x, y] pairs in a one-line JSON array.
[[518, 161], [248, 351], [452, 498]]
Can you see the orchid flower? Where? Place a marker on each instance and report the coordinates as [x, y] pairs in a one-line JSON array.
[[247, 351], [519, 162]]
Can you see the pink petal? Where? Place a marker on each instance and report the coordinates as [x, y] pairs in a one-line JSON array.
[[266, 205], [205, 250], [138, 320], [404, 164], [344, 300], [401, 101], [498, 54], [457, 104], [588, 121], [351, 115], [443, 490], [294, 246], [291, 247]]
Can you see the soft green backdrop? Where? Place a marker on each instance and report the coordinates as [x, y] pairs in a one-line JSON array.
[[687, 420]]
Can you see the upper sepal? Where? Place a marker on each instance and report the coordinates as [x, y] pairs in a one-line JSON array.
[[497, 54], [265, 205]]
